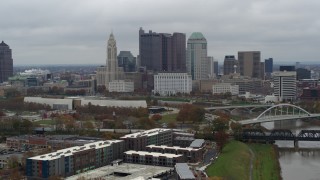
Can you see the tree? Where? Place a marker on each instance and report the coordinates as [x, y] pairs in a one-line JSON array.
[[156, 117], [146, 123], [88, 125], [13, 162], [237, 129], [220, 124], [190, 113], [221, 138]]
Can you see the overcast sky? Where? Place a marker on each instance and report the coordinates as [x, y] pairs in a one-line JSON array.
[[76, 31]]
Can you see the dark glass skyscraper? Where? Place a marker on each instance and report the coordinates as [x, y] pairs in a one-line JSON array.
[[6, 62], [127, 61], [230, 65], [162, 51], [268, 65]]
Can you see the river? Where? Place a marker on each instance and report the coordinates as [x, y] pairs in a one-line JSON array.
[[302, 163]]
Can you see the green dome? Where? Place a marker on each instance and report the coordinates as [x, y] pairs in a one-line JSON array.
[[197, 35]]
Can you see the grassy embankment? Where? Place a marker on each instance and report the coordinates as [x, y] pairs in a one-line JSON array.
[[234, 162], [266, 164]]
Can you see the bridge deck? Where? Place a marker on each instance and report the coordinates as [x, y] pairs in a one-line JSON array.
[[277, 118]]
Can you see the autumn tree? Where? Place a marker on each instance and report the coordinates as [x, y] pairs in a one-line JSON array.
[[156, 117], [220, 126], [190, 113]]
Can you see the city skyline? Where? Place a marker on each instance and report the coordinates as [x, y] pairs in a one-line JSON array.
[[76, 32]]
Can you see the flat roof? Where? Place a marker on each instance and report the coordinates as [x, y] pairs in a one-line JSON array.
[[71, 150], [184, 171], [150, 132], [197, 143], [133, 171], [172, 147], [154, 154]]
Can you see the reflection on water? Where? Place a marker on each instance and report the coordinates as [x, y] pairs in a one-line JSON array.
[[302, 163]]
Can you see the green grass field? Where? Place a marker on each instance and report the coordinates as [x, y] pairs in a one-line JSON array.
[[233, 162], [266, 165], [169, 118]]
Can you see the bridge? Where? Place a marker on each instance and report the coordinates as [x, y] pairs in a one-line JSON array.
[[280, 112], [279, 134], [246, 107]]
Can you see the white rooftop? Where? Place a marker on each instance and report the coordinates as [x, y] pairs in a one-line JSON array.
[[150, 132], [172, 147], [154, 154], [69, 151]]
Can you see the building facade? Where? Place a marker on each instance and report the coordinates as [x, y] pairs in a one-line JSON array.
[[230, 65], [121, 86], [111, 71], [162, 52], [139, 141], [74, 160], [268, 66], [6, 62], [167, 84], [127, 61], [221, 88], [197, 61], [249, 63], [284, 85]]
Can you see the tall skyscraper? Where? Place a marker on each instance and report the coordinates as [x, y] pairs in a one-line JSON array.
[[111, 71], [285, 85], [112, 62], [249, 63], [197, 63], [211, 72], [216, 68], [6, 62], [162, 51], [230, 65], [127, 61], [268, 65]]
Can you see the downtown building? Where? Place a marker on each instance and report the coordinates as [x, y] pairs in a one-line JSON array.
[[230, 65], [197, 59], [162, 52], [110, 72], [6, 62], [166, 84], [284, 85], [250, 64]]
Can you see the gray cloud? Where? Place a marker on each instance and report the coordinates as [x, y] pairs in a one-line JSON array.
[[76, 31]]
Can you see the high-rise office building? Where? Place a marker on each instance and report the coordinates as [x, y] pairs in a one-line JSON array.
[[230, 65], [6, 62], [162, 51], [127, 61], [216, 68], [197, 61], [268, 65], [211, 72], [249, 63], [111, 71], [285, 85]]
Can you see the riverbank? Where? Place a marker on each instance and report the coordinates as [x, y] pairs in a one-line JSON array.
[[236, 158]]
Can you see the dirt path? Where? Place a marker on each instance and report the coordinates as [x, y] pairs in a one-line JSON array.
[[251, 163]]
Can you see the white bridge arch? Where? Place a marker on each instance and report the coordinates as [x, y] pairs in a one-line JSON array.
[[281, 112]]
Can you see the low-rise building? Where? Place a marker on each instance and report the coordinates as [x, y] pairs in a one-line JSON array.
[[152, 158], [139, 141], [121, 86], [74, 160], [184, 172], [189, 154], [221, 88], [167, 84]]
